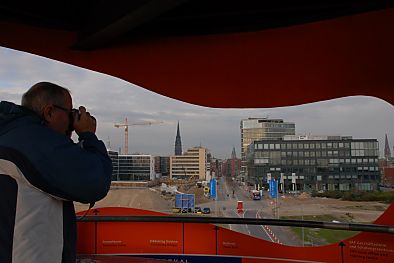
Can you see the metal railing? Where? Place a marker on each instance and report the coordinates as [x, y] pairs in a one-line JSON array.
[[242, 221]]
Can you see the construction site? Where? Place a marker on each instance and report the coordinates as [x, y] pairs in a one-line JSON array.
[[152, 198]]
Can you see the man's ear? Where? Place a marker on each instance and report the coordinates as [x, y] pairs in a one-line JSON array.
[[47, 113]]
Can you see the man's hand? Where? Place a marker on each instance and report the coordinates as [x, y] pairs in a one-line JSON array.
[[85, 122]]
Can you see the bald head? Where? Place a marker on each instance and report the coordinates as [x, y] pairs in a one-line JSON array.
[[42, 94]]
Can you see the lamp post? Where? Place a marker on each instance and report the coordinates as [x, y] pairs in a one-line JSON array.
[[302, 229], [277, 201]]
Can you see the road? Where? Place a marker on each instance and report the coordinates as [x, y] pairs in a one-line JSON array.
[[229, 193]]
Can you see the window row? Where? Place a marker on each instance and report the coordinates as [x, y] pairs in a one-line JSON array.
[[364, 145], [277, 154], [185, 170], [315, 154], [319, 162], [318, 145], [354, 160], [370, 152]]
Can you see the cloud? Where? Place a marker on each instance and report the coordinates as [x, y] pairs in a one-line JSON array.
[[112, 100]]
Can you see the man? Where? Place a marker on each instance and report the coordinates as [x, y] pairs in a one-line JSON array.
[[42, 171]]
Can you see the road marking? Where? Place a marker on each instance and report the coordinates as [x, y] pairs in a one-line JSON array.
[[268, 231]]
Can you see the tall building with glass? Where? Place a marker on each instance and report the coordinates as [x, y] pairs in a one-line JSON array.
[[253, 129], [132, 167], [316, 163]]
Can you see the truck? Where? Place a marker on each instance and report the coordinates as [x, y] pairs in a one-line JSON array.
[[185, 202]]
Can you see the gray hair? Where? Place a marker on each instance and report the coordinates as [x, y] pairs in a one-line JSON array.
[[42, 94]]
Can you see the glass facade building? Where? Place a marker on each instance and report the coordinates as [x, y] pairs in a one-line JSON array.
[[162, 165], [135, 167], [253, 129], [115, 164], [316, 163]]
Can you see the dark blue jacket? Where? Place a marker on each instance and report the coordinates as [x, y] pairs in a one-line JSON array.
[[41, 173]]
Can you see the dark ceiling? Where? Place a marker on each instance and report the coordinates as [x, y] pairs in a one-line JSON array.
[[103, 23]]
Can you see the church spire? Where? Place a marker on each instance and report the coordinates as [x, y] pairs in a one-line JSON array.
[[178, 142], [233, 154], [387, 153]]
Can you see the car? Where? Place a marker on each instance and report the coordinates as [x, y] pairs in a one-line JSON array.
[[176, 210], [198, 210], [206, 210], [184, 210]]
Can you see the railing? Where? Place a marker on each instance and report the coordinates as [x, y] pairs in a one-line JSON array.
[[243, 221]]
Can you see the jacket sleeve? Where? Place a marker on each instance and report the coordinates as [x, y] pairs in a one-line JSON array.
[[78, 172]]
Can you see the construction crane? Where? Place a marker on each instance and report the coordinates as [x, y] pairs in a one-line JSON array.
[[126, 125]]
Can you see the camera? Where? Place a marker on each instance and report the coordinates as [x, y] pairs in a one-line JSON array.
[[74, 114]]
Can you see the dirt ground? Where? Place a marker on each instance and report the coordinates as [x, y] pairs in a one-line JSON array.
[[144, 198], [362, 212], [152, 199]]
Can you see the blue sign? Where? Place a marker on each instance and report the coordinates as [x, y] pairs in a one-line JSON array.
[[273, 188], [184, 201], [212, 185]]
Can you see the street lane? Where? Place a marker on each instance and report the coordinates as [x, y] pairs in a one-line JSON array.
[[253, 208]]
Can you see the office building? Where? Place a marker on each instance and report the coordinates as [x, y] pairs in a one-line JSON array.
[[253, 129], [133, 167], [162, 165], [215, 166], [191, 165], [316, 163], [231, 167], [115, 164]]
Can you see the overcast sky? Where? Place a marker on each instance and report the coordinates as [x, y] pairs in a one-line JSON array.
[[111, 100]]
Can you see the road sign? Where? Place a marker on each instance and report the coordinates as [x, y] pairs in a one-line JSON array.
[[184, 201], [268, 177]]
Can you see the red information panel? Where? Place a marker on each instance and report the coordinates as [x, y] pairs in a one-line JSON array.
[[210, 243]]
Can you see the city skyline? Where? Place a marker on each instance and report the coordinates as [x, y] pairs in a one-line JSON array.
[[112, 100]]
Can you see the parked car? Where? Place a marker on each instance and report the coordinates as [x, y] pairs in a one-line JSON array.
[[198, 210], [176, 210], [206, 210], [184, 210]]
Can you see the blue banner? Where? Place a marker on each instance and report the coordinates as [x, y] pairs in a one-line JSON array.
[[212, 185], [273, 188]]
